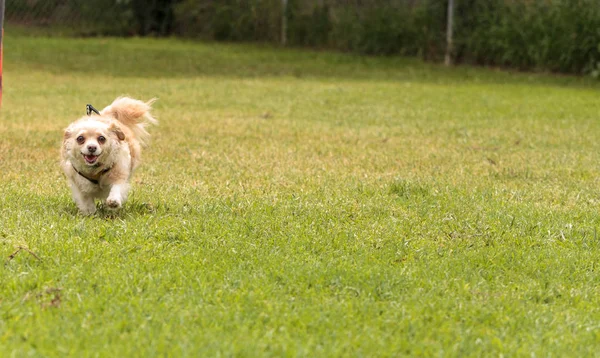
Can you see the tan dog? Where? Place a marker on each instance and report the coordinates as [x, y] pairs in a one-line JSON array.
[[100, 152]]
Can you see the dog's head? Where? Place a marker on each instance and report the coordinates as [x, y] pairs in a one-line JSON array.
[[93, 141]]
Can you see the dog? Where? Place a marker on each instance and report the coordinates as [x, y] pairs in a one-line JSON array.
[[101, 151]]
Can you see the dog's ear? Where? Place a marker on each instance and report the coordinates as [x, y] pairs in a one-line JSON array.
[[117, 131], [67, 134]]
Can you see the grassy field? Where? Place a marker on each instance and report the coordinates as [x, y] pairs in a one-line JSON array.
[[299, 203]]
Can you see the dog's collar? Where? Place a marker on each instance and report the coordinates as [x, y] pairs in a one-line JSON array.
[[93, 181]]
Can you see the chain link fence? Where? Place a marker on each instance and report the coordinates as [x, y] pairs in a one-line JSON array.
[[41, 13], [94, 17], [551, 35], [298, 22]]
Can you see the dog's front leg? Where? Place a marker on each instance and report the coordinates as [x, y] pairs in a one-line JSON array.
[[117, 196], [84, 202]]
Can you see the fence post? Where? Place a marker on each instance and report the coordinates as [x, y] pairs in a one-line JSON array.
[[449, 29], [1, 39], [284, 22]]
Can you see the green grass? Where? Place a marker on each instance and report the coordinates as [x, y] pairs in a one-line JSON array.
[[299, 203]]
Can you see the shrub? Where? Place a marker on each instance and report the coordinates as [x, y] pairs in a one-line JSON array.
[[555, 35]]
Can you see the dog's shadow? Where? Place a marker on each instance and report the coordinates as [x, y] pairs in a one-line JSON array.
[[130, 209]]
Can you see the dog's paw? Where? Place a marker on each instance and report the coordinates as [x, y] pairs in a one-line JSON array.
[[86, 208], [113, 203], [87, 211]]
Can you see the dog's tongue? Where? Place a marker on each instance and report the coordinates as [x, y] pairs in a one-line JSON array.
[[90, 158]]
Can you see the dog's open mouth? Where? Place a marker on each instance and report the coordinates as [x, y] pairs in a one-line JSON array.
[[90, 158]]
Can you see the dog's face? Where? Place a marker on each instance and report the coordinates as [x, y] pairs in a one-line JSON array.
[[92, 142]]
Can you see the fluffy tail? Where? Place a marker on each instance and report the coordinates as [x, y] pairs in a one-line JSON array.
[[134, 114]]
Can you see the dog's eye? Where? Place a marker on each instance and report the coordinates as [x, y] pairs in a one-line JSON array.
[[101, 139], [80, 139]]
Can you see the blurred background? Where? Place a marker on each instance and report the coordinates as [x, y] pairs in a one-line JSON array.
[[542, 35]]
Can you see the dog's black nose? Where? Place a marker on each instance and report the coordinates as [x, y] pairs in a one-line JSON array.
[[91, 148]]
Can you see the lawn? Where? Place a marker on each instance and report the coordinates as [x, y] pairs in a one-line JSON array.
[[299, 203]]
